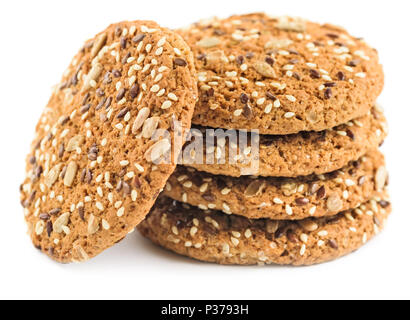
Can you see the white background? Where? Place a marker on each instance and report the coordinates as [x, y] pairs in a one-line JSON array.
[[38, 39]]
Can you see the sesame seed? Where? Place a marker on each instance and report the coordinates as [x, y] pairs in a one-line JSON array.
[[134, 195], [161, 41], [174, 230], [236, 234], [182, 177], [193, 231], [225, 191], [99, 206], [235, 241], [159, 51], [260, 101], [203, 187], [349, 182], [302, 250], [158, 77], [105, 224], [130, 59], [177, 52], [187, 184], [291, 98], [124, 163], [349, 217], [225, 249], [130, 174], [139, 167], [226, 208], [268, 108], [277, 201], [155, 88], [161, 93], [166, 105], [283, 52], [172, 97], [289, 115], [304, 237], [237, 112], [120, 212], [248, 233]]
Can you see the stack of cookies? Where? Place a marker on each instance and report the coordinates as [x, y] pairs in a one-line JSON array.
[[292, 176], [318, 190]]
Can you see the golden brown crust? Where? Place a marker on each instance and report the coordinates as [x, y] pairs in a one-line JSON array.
[[91, 173], [280, 75], [216, 237], [282, 198], [294, 155]]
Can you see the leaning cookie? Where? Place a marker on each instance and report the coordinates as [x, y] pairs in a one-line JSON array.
[[104, 146], [282, 198], [293, 155], [280, 75], [213, 236]]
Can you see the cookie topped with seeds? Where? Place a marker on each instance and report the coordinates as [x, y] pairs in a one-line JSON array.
[[108, 139], [213, 236], [280, 75], [282, 198], [292, 155]]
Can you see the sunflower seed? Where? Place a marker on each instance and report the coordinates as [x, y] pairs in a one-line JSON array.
[[93, 225], [74, 143], [70, 173], [60, 222], [140, 119], [157, 150]]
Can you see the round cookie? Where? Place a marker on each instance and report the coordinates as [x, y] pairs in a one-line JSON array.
[[280, 75], [108, 139], [216, 237], [293, 155], [282, 198]]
